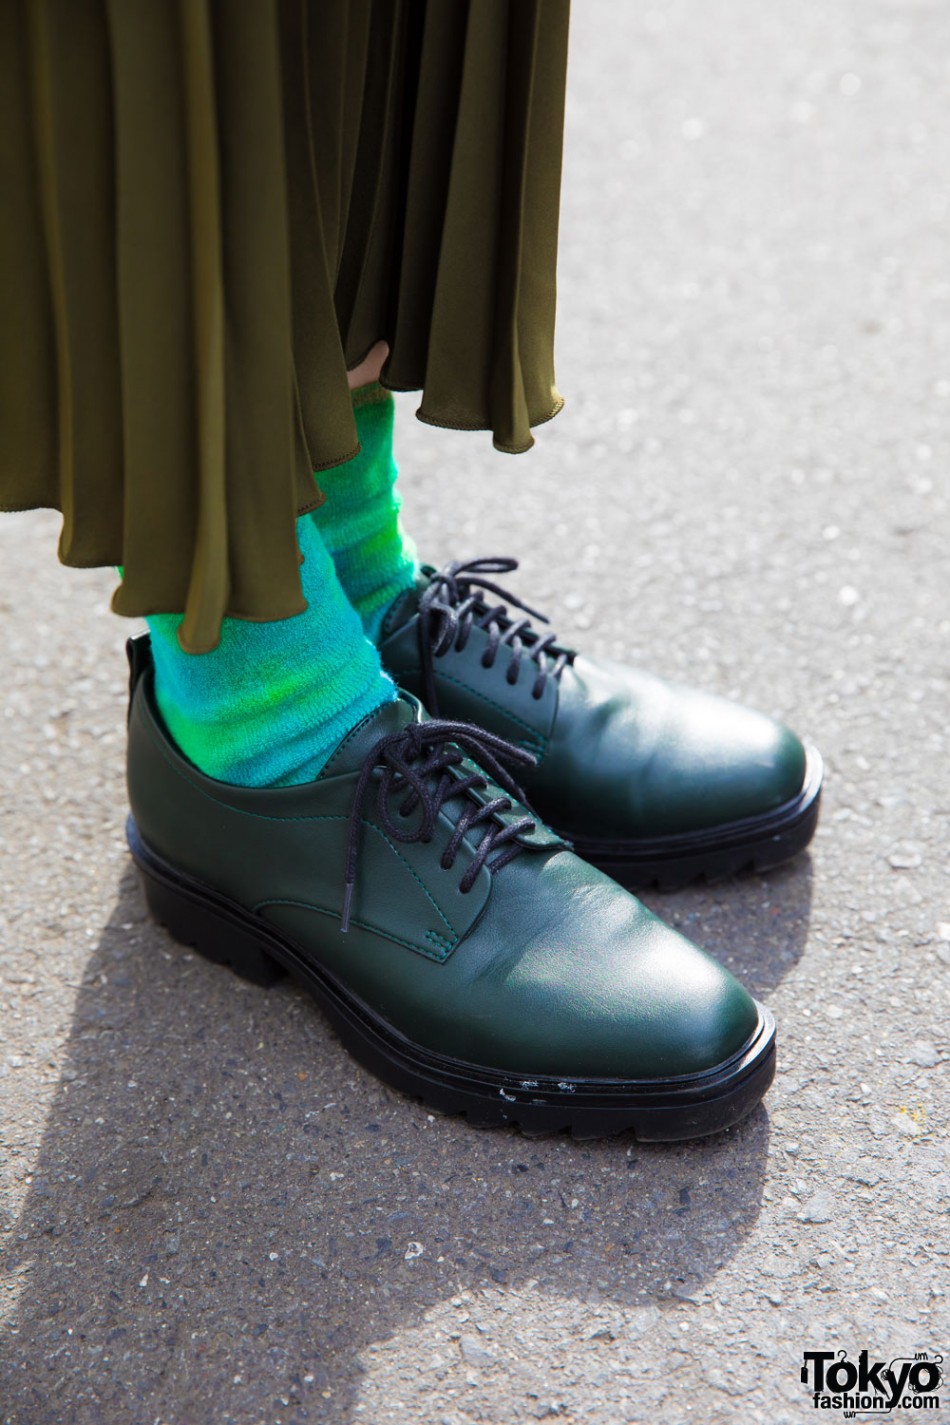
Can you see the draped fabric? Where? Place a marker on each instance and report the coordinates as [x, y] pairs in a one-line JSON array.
[[211, 210]]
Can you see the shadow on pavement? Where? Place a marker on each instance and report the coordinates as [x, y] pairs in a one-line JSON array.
[[225, 1211], [757, 925]]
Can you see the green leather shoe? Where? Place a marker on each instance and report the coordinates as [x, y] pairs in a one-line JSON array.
[[654, 783], [460, 950]]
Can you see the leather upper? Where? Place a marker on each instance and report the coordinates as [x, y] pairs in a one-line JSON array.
[[545, 967], [622, 755]]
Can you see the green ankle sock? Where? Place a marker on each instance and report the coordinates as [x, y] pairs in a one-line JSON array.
[[268, 706], [359, 521]]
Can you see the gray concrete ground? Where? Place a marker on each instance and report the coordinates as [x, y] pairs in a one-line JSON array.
[[209, 1214]]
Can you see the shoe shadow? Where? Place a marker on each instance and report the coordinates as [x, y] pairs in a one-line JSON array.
[[756, 925], [225, 1208]]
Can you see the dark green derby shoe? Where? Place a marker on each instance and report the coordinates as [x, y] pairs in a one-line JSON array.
[[461, 951], [654, 783]]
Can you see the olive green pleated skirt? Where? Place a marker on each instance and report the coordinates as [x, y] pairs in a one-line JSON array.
[[210, 210]]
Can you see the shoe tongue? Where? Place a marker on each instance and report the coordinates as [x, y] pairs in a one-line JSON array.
[[393, 717], [360, 741]]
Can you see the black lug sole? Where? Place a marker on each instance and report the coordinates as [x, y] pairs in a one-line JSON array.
[[656, 1110], [758, 843]]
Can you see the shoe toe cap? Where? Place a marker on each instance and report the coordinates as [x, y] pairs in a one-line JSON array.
[[729, 763], [663, 760], [602, 989]]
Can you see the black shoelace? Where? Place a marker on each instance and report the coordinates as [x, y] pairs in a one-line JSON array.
[[417, 763], [454, 603]]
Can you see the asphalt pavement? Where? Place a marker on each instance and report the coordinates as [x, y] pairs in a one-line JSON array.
[[210, 1215]]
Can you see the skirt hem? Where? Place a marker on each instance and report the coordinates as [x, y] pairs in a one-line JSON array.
[[430, 420]]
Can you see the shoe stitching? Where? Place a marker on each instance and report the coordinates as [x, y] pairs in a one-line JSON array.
[[265, 816], [426, 892], [539, 740], [539, 737], [442, 942], [459, 598]]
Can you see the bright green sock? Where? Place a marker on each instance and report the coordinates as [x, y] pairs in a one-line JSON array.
[[268, 706], [359, 521]]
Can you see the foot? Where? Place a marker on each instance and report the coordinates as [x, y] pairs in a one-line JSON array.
[[654, 783], [460, 950]]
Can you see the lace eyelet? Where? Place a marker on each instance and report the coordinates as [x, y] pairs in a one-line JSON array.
[[512, 680], [415, 762], [487, 662]]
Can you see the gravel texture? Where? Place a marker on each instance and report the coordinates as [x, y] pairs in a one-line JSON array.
[[209, 1215]]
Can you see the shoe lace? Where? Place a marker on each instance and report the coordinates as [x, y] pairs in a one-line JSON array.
[[453, 604], [419, 763]]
